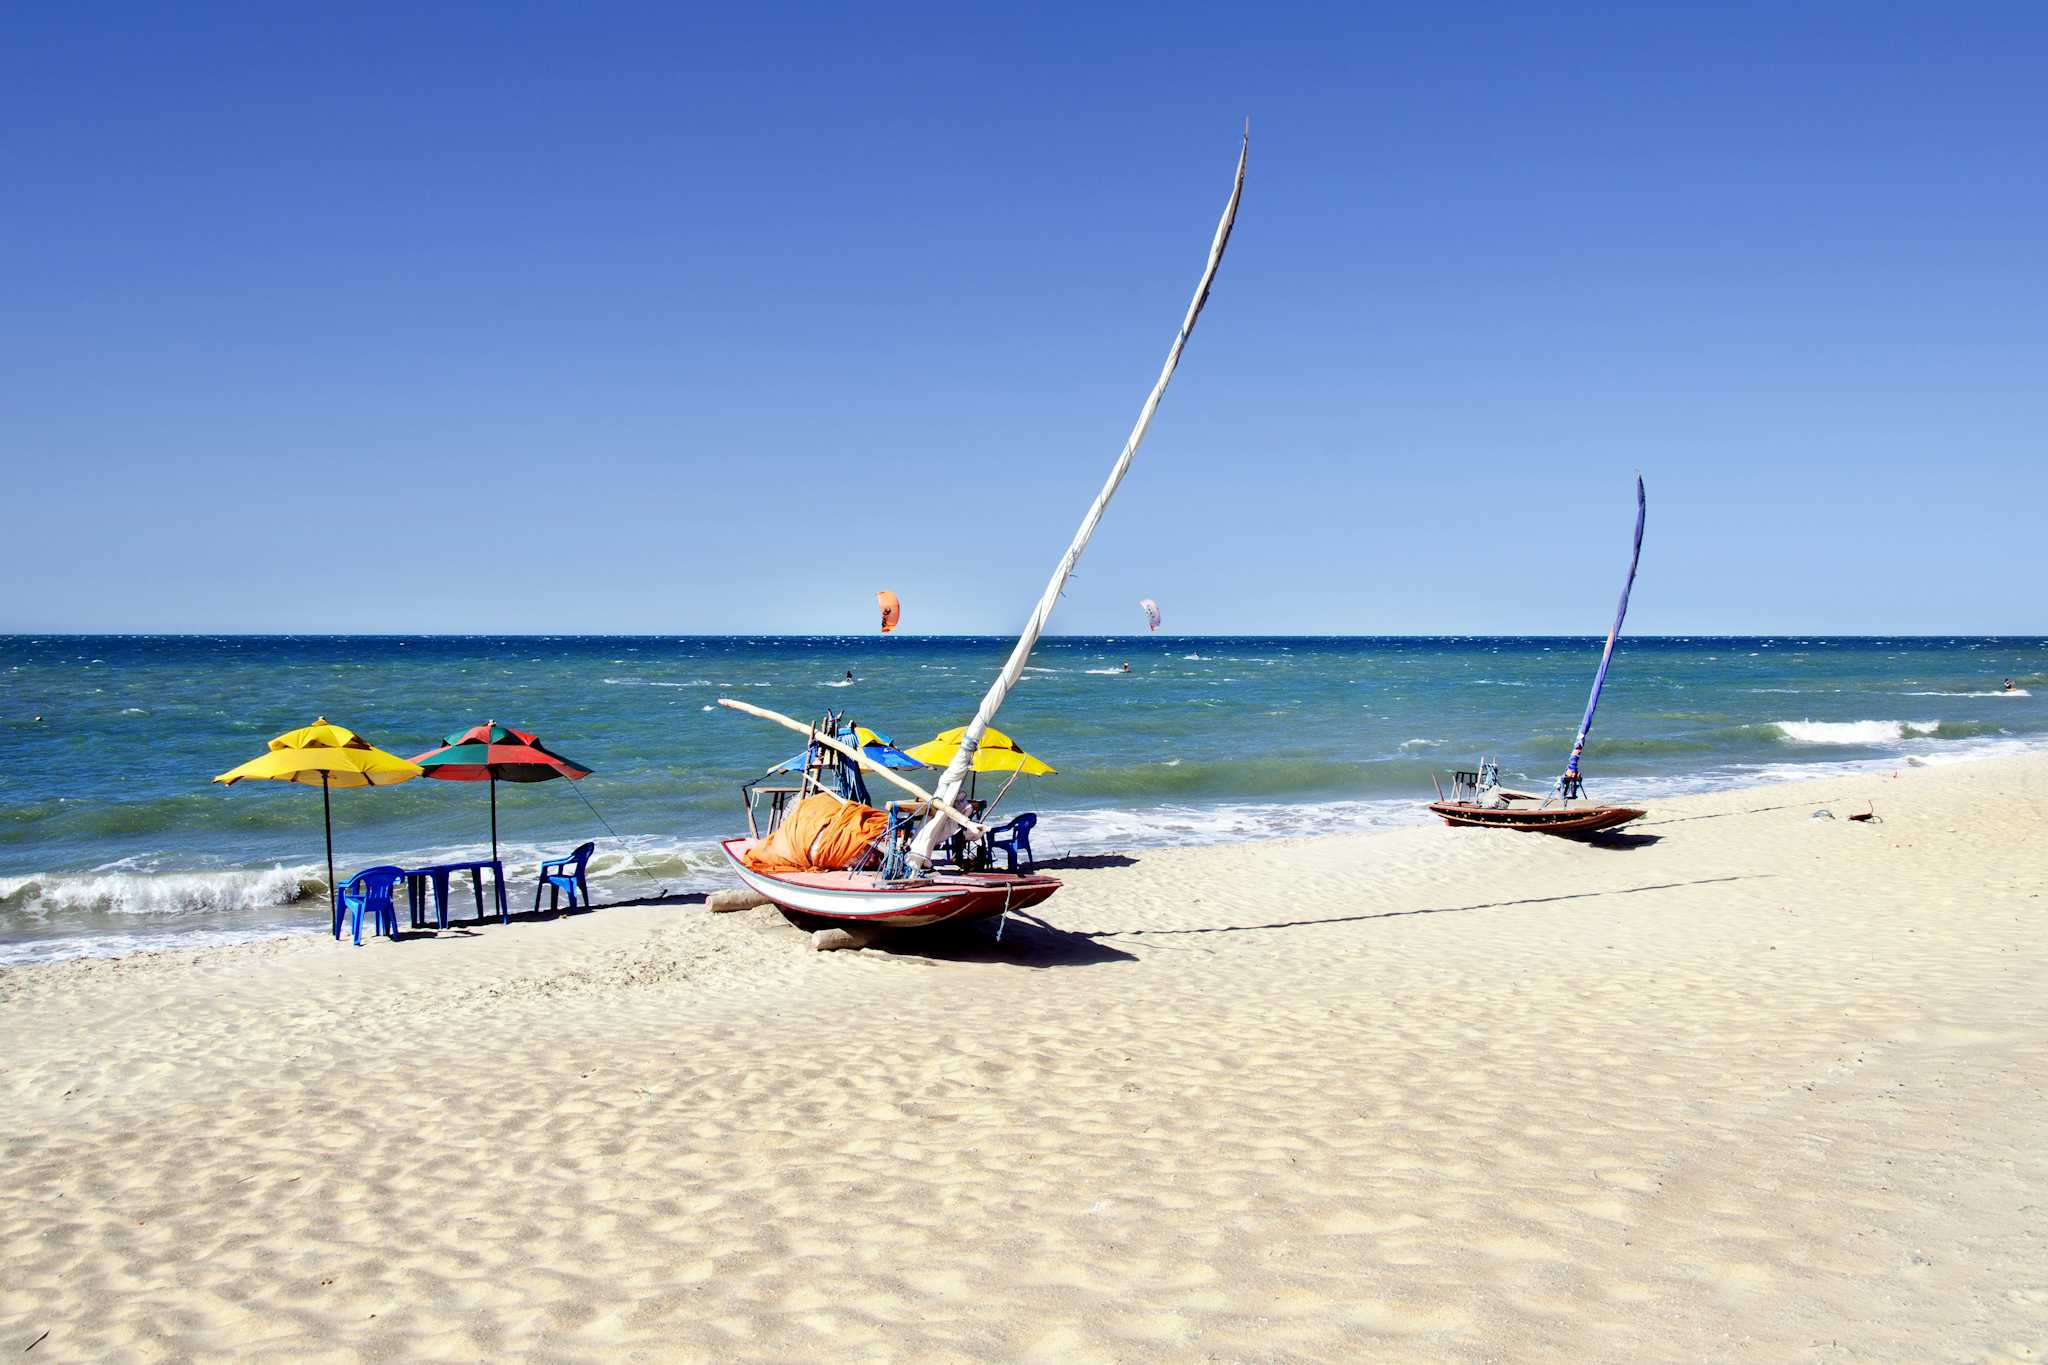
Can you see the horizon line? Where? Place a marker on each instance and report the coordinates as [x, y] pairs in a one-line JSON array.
[[943, 635]]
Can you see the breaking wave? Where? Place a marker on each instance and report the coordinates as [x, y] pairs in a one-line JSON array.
[[634, 866], [163, 893], [1854, 731], [1106, 829], [2016, 692]]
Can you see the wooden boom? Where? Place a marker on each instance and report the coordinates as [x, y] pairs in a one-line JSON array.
[[867, 764]]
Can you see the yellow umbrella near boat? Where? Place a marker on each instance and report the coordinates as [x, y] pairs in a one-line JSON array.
[[998, 753], [326, 756]]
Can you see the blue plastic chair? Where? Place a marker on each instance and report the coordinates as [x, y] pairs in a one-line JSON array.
[[1012, 838], [565, 874], [370, 890]]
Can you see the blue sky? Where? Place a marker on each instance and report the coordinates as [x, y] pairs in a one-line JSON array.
[[663, 319]]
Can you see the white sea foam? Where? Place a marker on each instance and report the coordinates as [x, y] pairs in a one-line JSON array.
[[838, 682], [2016, 692], [59, 947], [1104, 672], [1105, 829], [1722, 777], [1853, 731], [168, 893], [1420, 743], [637, 864]]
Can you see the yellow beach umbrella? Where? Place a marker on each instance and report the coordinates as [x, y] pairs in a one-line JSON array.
[[998, 753], [326, 756]]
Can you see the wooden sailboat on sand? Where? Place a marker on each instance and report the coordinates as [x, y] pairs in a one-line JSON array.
[[898, 879], [1478, 799]]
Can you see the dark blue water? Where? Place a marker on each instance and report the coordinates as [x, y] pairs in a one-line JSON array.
[[110, 833]]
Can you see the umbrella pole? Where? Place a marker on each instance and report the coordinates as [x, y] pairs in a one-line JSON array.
[[494, 817], [327, 819]]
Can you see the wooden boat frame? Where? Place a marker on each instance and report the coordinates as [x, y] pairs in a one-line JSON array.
[[1566, 820], [866, 897]]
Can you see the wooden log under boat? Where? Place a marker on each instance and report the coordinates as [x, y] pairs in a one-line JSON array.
[[1566, 820]]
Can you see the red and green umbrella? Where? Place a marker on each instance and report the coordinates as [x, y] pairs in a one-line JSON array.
[[497, 753]]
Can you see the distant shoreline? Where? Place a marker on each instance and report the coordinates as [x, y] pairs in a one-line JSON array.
[[1408, 815]]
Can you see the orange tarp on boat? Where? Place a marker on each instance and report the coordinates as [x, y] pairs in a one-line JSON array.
[[820, 835]]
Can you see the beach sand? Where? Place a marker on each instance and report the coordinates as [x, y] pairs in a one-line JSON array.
[[1753, 1086]]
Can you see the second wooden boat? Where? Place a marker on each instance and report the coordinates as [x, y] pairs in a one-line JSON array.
[[1553, 820], [1477, 799]]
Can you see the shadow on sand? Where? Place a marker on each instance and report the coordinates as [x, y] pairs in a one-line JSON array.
[[1619, 839], [1027, 941], [1405, 914], [1722, 814], [462, 921], [1084, 862]]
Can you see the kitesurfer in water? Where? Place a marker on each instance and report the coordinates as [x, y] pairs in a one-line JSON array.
[[1127, 668], [2008, 685]]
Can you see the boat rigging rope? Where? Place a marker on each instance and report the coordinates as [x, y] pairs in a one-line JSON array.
[[1003, 920], [631, 856]]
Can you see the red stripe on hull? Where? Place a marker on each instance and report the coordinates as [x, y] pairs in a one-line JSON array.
[[862, 898], [1577, 820]]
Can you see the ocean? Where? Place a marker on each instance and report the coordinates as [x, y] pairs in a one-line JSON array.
[[112, 838]]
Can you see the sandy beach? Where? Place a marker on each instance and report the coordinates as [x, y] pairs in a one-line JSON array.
[[1750, 1086]]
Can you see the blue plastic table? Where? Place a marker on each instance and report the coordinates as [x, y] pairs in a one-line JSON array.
[[416, 879]]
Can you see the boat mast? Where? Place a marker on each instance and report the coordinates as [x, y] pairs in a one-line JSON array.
[[1568, 785], [939, 826]]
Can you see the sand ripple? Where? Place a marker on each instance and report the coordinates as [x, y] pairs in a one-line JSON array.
[[1765, 1087]]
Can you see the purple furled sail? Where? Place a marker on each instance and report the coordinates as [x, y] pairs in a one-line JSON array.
[[1568, 785]]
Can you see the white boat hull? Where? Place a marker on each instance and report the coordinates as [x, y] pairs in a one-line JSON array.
[[864, 897]]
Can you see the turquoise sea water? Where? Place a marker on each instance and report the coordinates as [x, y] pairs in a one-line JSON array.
[[111, 836]]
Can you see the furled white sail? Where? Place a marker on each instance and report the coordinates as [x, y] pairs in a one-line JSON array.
[[950, 782]]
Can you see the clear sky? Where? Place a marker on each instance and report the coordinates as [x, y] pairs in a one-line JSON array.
[[680, 318]]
